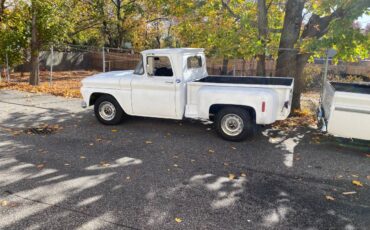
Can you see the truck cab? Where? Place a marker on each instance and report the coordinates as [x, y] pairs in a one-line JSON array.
[[159, 82]]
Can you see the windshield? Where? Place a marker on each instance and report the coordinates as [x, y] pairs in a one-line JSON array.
[[139, 70]]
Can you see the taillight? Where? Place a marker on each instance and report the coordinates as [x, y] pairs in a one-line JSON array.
[[263, 106]]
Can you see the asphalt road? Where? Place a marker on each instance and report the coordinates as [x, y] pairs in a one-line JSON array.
[[163, 174]]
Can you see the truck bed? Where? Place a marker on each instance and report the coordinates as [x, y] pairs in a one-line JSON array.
[[351, 87], [247, 80]]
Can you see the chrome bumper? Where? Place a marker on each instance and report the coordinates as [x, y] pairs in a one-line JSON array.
[[83, 105]]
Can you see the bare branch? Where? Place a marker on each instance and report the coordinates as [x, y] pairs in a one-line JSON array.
[[158, 19], [227, 7]]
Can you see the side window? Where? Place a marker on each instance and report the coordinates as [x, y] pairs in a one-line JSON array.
[[194, 62], [139, 70], [159, 66]]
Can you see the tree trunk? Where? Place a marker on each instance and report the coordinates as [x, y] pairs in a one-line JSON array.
[[225, 63], [34, 75], [262, 23], [261, 65], [300, 63], [288, 57], [119, 24], [2, 9]]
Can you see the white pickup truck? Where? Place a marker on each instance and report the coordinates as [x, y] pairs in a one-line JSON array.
[[174, 84]]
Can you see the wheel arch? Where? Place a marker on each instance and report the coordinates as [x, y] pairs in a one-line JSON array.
[[215, 108]]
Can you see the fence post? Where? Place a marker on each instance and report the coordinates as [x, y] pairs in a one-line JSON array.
[[234, 70], [103, 54], [7, 66], [51, 64]]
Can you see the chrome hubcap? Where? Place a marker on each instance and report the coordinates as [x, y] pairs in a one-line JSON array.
[[232, 124], [107, 111]]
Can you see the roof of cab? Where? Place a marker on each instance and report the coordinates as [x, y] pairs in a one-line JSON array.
[[173, 51]]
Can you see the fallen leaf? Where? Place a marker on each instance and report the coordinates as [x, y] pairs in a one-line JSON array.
[[368, 177], [175, 165], [82, 157], [353, 175], [104, 164], [148, 142], [4, 203], [178, 220], [349, 193], [211, 151], [98, 139], [243, 175], [192, 160], [40, 166], [231, 176], [329, 197], [91, 144], [114, 130], [368, 155], [66, 164], [232, 147], [357, 183], [128, 178], [226, 164]]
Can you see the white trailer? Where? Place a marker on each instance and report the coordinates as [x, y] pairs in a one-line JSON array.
[[345, 110]]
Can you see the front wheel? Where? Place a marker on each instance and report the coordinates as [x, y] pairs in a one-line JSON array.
[[234, 124], [108, 111]]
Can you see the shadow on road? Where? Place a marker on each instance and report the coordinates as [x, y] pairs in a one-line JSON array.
[[145, 173]]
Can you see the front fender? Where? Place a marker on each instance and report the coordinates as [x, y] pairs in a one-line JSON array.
[[123, 97]]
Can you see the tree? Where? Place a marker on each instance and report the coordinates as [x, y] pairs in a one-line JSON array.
[[269, 16], [50, 24], [219, 27], [299, 41], [13, 32]]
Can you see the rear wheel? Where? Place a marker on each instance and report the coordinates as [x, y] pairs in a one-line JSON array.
[[234, 124], [108, 111]]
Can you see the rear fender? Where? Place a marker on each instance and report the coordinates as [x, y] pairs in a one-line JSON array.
[[234, 96]]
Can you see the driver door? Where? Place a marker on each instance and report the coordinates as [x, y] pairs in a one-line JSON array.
[[153, 92]]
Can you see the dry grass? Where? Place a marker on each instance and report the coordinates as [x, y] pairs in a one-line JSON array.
[[65, 83], [299, 118]]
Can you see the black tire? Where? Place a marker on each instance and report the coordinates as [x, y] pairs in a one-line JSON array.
[[246, 118], [119, 113]]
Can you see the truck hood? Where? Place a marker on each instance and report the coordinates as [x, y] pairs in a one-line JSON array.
[[109, 80]]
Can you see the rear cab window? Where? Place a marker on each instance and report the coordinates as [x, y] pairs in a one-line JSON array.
[[194, 62]]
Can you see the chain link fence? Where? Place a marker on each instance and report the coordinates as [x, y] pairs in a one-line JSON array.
[[85, 60]]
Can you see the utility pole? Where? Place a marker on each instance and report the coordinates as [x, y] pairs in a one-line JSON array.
[[330, 53]]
